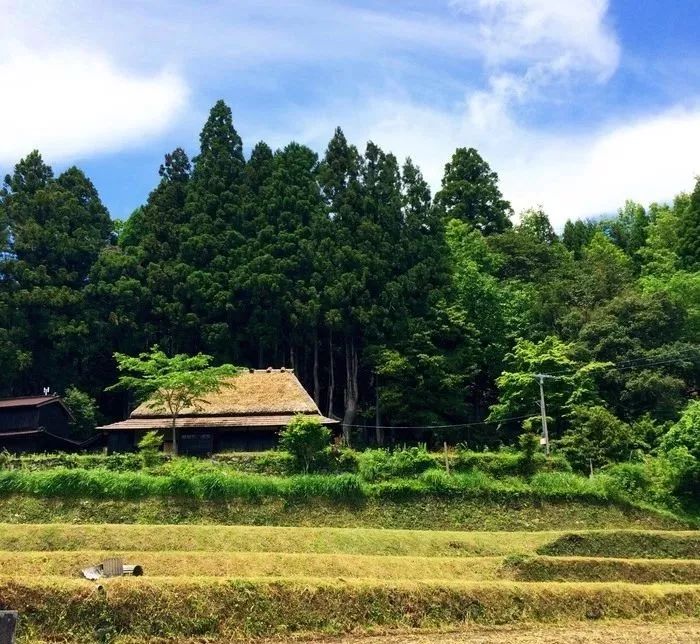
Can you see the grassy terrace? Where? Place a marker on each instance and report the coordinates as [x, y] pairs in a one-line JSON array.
[[248, 582], [428, 512]]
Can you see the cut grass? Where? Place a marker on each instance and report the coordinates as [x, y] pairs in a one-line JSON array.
[[71, 609], [360, 541], [628, 544], [637, 571], [343, 566], [363, 541], [257, 564], [425, 512], [608, 632]]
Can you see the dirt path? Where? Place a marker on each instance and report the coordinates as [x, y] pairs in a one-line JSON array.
[[611, 633]]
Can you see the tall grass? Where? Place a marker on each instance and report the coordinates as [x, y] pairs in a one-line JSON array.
[[213, 483]]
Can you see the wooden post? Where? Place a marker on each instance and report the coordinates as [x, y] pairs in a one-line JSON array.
[[447, 459], [8, 623]]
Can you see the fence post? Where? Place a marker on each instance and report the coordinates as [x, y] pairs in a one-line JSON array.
[[8, 622]]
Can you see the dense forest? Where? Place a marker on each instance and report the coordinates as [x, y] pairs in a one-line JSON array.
[[391, 305]]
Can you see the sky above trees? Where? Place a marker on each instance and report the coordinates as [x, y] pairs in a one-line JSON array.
[[577, 105]]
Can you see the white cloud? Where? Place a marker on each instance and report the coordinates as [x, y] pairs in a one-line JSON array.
[[70, 103], [504, 56], [565, 35], [571, 175], [530, 48]]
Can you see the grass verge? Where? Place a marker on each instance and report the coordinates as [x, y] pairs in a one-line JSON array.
[[627, 544], [343, 566], [427, 512], [636, 571], [350, 541], [74, 610]]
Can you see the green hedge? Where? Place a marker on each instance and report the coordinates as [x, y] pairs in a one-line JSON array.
[[221, 485]]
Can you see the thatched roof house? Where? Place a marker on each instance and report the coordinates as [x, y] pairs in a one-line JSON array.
[[245, 415]]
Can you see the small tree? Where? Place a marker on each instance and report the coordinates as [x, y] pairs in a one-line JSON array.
[[171, 384], [529, 444], [148, 446], [84, 410], [305, 439], [596, 438]]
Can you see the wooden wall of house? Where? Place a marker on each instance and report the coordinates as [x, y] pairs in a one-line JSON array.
[[54, 419], [13, 419], [245, 441]]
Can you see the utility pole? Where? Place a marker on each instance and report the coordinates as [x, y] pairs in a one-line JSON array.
[[545, 432]]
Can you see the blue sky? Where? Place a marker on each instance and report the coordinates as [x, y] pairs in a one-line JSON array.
[[577, 105]]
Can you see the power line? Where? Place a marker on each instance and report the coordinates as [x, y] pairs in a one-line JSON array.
[[473, 424], [627, 364]]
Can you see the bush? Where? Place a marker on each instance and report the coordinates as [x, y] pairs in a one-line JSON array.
[[506, 463], [306, 440], [529, 444], [596, 437], [84, 410], [380, 464], [633, 479], [681, 447], [149, 447]]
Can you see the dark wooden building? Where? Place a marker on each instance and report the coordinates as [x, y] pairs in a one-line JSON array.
[[245, 415], [36, 424]]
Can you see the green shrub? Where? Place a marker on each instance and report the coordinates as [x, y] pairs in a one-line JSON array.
[[681, 446], [596, 437], [633, 479], [506, 463], [273, 462], [149, 447], [381, 464], [306, 440], [85, 412], [529, 444], [343, 487]]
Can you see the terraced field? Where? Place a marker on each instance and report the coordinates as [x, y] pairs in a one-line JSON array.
[[224, 582]]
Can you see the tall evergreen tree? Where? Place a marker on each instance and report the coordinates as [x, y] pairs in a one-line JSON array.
[[689, 232], [471, 194], [57, 227], [213, 234]]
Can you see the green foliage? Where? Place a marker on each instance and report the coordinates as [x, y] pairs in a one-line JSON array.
[[529, 444], [688, 228], [596, 438], [681, 447], [506, 463], [573, 383], [387, 303], [470, 193], [381, 465], [84, 410], [171, 384], [149, 446], [306, 439]]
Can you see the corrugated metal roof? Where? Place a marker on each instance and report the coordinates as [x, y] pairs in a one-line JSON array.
[[28, 401], [209, 422]]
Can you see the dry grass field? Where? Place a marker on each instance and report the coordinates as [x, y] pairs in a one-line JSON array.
[[227, 583]]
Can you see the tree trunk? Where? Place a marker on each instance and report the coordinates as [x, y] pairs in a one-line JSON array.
[[260, 354], [174, 436], [351, 389], [379, 431], [291, 357], [331, 374], [317, 384]]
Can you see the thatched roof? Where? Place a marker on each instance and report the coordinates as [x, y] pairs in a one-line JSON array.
[[209, 423], [256, 392]]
